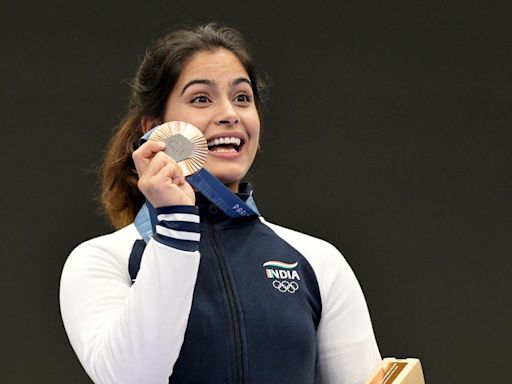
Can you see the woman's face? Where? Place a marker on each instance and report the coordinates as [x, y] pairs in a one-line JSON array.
[[214, 94]]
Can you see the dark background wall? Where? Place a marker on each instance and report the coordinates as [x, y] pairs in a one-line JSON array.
[[388, 133]]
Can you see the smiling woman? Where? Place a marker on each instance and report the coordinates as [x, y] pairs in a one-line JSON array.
[[208, 297], [214, 94]]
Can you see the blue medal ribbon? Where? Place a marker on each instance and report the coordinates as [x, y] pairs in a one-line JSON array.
[[210, 187]]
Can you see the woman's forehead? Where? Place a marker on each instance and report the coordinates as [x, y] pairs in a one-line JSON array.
[[220, 64]]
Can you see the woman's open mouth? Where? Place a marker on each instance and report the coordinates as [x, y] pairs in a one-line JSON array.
[[225, 144]]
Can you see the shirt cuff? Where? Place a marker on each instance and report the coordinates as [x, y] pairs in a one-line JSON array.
[[178, 227]]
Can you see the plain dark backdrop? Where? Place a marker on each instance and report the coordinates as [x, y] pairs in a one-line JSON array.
[[387, 133]]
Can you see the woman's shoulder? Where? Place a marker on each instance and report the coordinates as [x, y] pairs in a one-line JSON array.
[[305, 242], [114, 242], [109, 249], [328, 263]]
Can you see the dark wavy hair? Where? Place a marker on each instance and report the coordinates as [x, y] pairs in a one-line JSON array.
[[153, 82]]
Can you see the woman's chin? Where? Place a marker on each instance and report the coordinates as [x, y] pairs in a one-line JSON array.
[[230, 178]]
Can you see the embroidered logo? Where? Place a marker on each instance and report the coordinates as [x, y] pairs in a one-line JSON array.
[[282, 273]]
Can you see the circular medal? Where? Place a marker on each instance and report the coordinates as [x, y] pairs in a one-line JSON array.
[[184, 143]]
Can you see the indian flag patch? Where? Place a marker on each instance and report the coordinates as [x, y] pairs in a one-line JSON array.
[[280, 270]]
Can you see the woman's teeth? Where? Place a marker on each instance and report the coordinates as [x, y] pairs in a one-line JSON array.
[[225, 140], [225, 144]]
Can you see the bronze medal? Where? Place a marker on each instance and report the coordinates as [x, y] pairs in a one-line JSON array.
[[184, 143]]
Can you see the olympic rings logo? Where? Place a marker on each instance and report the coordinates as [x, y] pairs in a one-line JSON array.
[[285, 286]]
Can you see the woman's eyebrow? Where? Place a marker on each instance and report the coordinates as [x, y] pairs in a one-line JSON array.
[[241, 80], [210, 83]]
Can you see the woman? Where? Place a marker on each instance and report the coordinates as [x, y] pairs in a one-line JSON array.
[[209, 298]]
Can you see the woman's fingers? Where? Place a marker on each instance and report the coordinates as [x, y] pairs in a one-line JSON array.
[[149, 149], [160, 161], [173, 172], [143, 155], [162, 180]]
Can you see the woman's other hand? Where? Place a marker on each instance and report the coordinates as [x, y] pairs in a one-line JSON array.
[[160, 177]]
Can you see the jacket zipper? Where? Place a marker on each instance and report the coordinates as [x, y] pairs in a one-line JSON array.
[[231, 298]]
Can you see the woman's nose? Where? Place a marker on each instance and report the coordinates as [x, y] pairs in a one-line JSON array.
[[227, 115], [231, 120]]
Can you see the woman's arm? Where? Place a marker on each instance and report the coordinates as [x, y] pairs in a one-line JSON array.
[[347, 350], [124, 333]]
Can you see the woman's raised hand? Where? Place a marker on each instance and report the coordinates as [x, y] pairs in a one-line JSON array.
[[160, 177]]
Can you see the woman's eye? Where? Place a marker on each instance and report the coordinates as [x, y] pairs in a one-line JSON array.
[[242, 98], [200, 99]]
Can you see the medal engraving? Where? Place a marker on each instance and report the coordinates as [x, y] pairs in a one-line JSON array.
[[178, 147]]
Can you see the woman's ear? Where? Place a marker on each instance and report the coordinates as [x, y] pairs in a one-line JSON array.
[[147, 123]]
